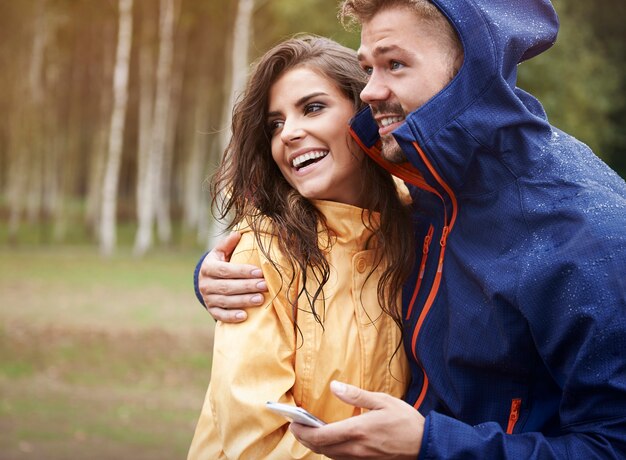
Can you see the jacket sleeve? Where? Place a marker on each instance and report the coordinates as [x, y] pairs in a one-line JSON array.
[[196, 275], [253, 362], [573, 296]]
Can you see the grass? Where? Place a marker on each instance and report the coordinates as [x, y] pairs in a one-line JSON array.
[[99, 358]]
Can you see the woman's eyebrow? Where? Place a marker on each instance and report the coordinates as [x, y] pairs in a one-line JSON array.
[[304, 99], [300, 102]]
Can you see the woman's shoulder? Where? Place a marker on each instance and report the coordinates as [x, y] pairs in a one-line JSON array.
[[258, 244]]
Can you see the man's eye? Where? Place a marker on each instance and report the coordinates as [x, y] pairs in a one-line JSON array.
[[368, 71], [395, 65], [313, 107]]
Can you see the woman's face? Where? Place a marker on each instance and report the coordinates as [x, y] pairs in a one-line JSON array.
[[308, 120]]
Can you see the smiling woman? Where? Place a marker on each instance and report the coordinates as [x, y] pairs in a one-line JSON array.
[[308, 119], [331, 234]]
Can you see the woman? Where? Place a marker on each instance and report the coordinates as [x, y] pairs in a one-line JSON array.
[[332, 236]]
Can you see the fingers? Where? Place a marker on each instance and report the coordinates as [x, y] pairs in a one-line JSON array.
[[232, 293], [227, 316], [225, 247], [228, 288], [229, 308], [233, 301], [309, 437], [357, 397], [325, 438], [391, 429], [213, 268], [216, 262]]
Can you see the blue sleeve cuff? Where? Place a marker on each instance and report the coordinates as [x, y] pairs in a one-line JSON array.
[[196, 274], [422, 455]]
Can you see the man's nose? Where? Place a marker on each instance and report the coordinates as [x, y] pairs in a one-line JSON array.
[[376, 90]]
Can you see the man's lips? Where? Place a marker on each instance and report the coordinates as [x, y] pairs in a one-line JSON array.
[[388, 123]]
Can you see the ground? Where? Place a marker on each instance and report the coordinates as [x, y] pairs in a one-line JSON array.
[[99, 358]]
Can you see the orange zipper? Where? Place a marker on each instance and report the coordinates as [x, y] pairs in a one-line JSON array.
[[427, 240], [410, 174], [516, 404], [405, 171], [447, 228], [429, 302], [441, 182]]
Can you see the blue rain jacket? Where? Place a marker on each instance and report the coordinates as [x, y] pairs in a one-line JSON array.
[[515, 317]]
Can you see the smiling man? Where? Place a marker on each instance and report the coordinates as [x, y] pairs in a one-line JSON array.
[[515, 317], [402, 78], [515, 314]]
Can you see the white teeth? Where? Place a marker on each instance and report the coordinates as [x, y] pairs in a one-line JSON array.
[[390, 120], [308, 156]]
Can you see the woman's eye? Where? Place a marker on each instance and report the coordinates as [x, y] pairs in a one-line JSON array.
[[275, 125], [313, 107]]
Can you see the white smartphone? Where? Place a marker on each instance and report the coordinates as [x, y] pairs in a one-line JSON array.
[[295, 414]]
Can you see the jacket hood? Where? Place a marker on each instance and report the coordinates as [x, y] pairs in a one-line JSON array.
[[480, 110]]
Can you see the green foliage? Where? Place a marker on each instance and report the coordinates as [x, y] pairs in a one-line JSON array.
[[580, 83]]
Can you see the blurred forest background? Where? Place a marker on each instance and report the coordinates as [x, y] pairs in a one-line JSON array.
[[112, 115]]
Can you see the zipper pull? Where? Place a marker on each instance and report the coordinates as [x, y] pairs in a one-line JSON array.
[[428, 239], [444, 236], [516, 404]]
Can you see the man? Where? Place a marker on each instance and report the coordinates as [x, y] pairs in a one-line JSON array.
[[515, 319]]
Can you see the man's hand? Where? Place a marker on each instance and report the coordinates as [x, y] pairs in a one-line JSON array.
[[392, 429], [229, 288]]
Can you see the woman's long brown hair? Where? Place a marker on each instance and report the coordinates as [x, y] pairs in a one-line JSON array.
[[248, 185]]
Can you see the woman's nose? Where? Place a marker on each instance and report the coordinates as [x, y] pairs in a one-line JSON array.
[[291, 132]]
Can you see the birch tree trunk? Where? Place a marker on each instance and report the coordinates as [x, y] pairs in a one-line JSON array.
[[116, 134], [239, 72], [97, 157], [143, 236], [143, 240], [204, 208], [26, 169], [167, 185], [195, 167]]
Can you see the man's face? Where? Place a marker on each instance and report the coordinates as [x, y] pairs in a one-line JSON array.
[[408, 61]]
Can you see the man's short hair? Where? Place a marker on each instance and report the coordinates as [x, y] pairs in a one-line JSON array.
[[356, 12], [353, 12]]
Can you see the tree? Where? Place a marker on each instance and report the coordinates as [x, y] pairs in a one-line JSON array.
[[116, 133], [238, 74], [151, 167], [25, 188]]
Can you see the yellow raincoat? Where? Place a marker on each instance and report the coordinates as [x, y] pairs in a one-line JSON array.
[[266, 358]]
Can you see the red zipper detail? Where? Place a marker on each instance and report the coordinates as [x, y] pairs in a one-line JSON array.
[[422, 395], [405, 171], [516, 404], [410, 174], [441, 182], [437, 281], [429, 301], [426, 247]]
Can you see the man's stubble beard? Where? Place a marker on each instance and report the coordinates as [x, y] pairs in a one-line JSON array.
[[391, 151]]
